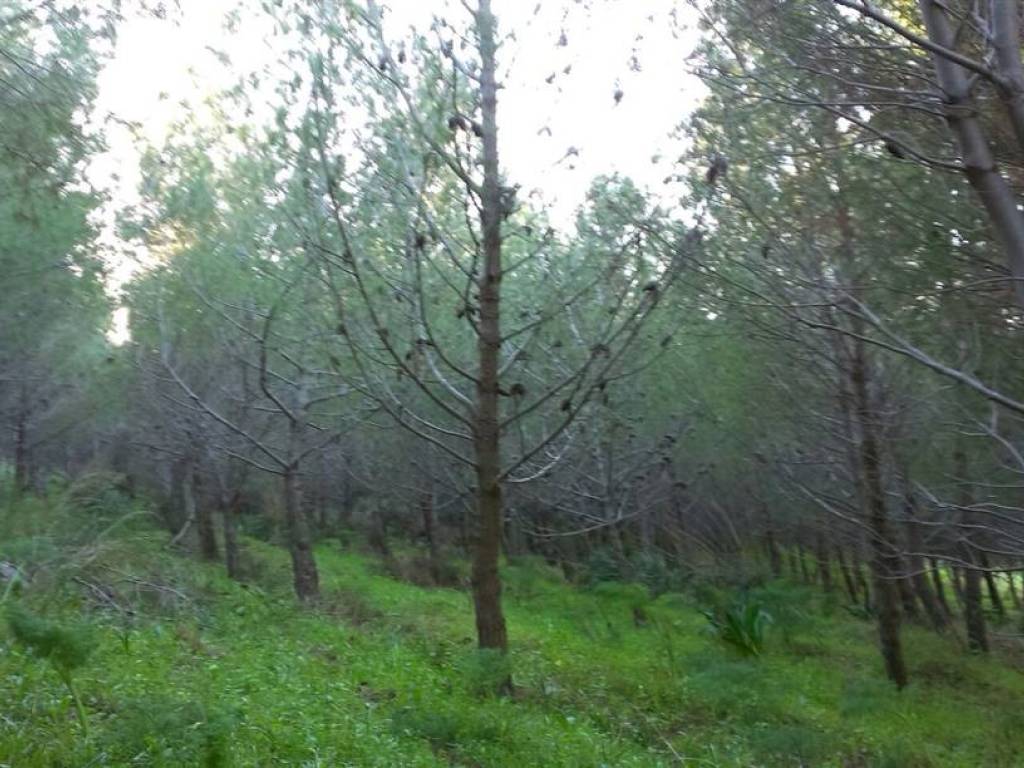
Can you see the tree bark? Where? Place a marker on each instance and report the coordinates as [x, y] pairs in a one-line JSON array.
[[305, 576], [824, 563], [434, 554], [1006, 45], [229, 522], [848, 578], [939, 586], [22, 470], [919, 571], [990, 583], [486, 581], [979, 164], [774, 557], [1012, 584], [885, 560], [204, 518], [974, 614]]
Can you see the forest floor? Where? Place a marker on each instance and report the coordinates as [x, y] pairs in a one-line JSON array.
[[206, 671]]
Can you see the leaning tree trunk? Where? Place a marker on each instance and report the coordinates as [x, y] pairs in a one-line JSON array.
[[990, 583], [939, 586], [974, 614], [490, 620], [979, 164], [919, 569], [885, 558]]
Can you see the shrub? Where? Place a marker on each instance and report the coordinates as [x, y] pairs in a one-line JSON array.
[[187, 733], [742, 626], [600, 566], [66, 648], [104, 495], [439, 728], [486, 672]]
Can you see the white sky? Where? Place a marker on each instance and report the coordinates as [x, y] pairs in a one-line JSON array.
[[158, 64]]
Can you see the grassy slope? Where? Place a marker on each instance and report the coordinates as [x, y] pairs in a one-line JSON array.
[[383, 674]]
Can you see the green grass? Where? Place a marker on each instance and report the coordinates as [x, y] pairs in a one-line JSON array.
[[384, 673]]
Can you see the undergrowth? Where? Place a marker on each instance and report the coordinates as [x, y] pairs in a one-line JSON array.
[[192, 669]]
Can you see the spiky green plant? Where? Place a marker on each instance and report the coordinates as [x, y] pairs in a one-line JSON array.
[[742, 626], [66, 648]]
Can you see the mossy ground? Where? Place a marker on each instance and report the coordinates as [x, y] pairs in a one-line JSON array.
[[383, 673]]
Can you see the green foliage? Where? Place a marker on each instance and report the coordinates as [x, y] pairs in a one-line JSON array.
[[100, 495], [486, 672], [66, 647], [742, 626], [794, 743], [248, 678], [183, 733], [602, 565]]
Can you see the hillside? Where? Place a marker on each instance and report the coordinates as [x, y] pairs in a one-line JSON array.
[[191, 668]]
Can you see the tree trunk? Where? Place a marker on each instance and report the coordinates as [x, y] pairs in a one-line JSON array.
[[978, 162], [990, 583], [940, 587], [1006, 45], [427, 512], [229, 521], [300, 546], [1012, 584], [824, 563], [974, 614], [848, 578], [918, 570], [805, 575], [22, 470], [885, 559], [490, 620], [907, 597], [204, 519], [958, 584], [774, 557]]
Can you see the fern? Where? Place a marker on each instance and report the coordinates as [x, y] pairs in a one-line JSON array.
[[66, 648]]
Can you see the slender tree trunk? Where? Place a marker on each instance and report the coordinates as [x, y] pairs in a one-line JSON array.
[[824, 563], [427, 512], [940, 587], [22, 470], [304, 572], [490, 619], [862, 583], [794, 569], [908, 599], [204, 519], [774, 557], [1012, 584], [958, 584], [805, 575], [847, 573], [885, 560], [990, 583], [919, 571], [974, 614], [229, 523]]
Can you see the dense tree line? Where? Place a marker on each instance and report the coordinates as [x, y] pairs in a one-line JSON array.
[[807, 367]]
